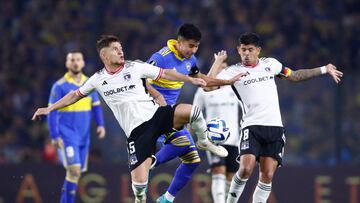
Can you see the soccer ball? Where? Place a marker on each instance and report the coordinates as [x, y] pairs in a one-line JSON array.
[[217, 131]]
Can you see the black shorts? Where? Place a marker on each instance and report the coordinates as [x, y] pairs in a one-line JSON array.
[[141, 143], [263, 141], [229, 162]]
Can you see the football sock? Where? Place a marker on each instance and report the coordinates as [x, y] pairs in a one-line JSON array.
[[218, 188], [182, 176], [169, 196], [68, 192], [227, 186], [139, 189], [236, 188], [262, 192], [198, 123]]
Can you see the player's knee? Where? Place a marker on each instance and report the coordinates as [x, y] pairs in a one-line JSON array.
[[245, 171], [266, 176], [73, 174], [191, 157], [218, 170]]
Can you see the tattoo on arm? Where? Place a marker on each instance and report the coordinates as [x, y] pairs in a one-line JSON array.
[[304, 74]]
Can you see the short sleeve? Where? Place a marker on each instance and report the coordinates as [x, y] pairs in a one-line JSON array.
[[87, 87], [150, 71], [156, 60], [279, 68]]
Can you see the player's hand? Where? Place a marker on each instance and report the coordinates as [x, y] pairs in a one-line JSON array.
[[335, 74], [160, 100], [198, 81], [220, 56], [40, 112], [237, 78], [58, 142], [101, 132]]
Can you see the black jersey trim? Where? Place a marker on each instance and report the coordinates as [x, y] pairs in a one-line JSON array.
[[242, 105]]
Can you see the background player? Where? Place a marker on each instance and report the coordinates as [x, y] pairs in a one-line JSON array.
[[178, 55], [262, 135], [122, 86], [221, 104], [70, 126]]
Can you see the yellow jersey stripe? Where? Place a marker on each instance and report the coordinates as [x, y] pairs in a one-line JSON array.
[[166, 83]]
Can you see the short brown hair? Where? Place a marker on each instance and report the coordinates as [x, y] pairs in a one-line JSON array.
[[105, 41]]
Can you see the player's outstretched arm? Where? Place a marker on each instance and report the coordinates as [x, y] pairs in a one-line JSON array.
[[170, 74], [68, 99], [159, 98], [306, 74]]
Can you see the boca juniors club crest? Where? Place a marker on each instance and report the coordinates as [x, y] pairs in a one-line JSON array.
[[188, 66], [127, 76]]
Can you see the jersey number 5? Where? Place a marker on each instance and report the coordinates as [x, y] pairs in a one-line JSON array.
[[132, 147]]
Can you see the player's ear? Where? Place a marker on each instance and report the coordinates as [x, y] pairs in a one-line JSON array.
[[102, 54]]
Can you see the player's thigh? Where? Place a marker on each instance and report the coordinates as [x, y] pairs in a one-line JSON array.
[[230, 161], [249, 142], [140, 173], [181, 115], [69, 154], [274, 144]]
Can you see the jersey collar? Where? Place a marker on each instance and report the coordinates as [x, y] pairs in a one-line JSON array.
[[171, 44], [119, 69], [252, 65], [70, 79]]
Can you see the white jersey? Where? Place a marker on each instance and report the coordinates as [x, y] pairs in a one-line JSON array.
[[125, 93], [257, 92], [221, 103]]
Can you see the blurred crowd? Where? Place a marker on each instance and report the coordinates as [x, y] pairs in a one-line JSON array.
[[322, 119]]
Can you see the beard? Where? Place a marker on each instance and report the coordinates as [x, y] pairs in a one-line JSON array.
[[75, 72]]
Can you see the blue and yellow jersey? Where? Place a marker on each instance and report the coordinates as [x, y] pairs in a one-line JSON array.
[[73, 122], [168, 58]]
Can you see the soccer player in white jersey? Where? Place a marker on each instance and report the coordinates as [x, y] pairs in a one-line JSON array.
[[223, 104], [262, 134], [122, 85]]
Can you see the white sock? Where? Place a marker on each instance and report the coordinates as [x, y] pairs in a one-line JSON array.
[[198, 123], [262, 192], [139, 189], [169, 196], [218, 188], [236, 188], [227, 186]]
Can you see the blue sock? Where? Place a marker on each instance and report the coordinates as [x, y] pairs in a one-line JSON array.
[[169, 152], [182, 176], [68, 192]]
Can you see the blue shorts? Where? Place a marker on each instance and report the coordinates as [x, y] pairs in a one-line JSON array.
[[73, 154]]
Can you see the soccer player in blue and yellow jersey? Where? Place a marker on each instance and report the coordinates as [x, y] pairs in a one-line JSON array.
[[70, 126], [178, 55]]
